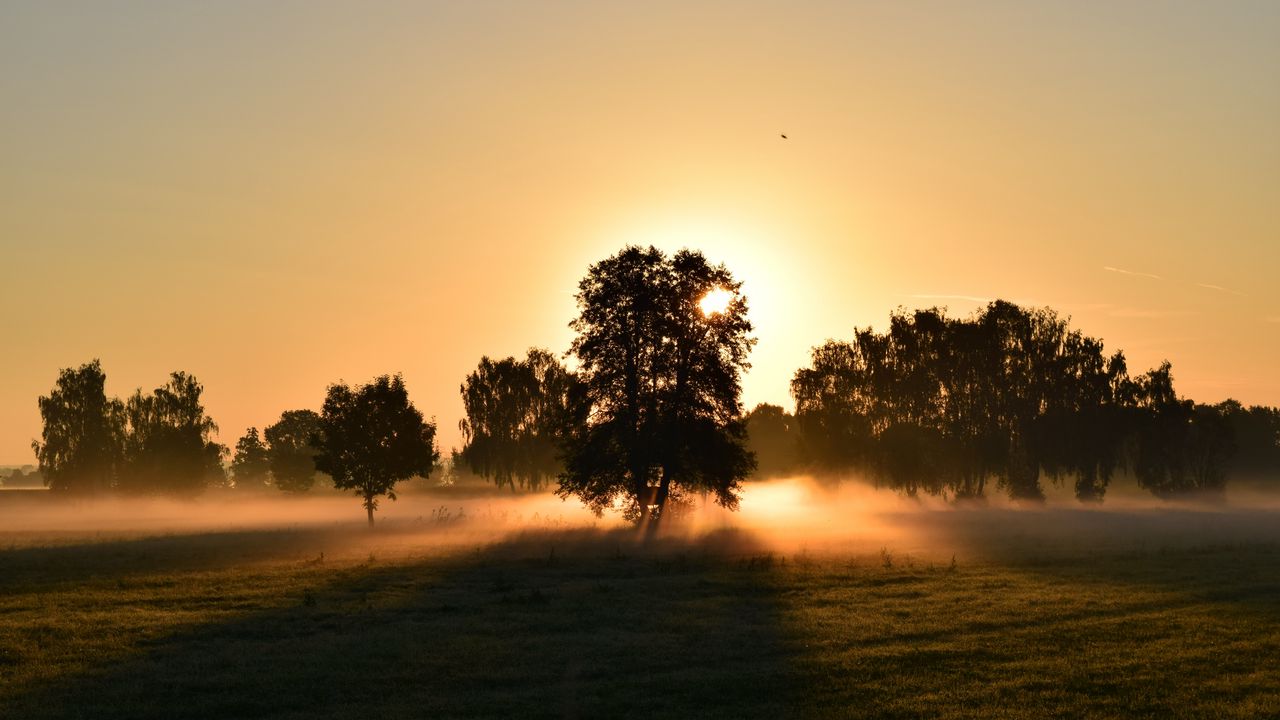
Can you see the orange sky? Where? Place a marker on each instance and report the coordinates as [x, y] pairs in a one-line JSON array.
[[276, 197]]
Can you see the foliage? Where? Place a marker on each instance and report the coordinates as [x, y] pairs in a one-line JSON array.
[[662, 381], [774, 439], [944, 406], [372, 437], [251, 465], [19, 479], [1256, 431], [168, 440], [1180, 447], [291, 450], [82, 437], [518, 413]]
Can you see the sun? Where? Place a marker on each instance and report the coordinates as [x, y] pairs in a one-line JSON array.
[[715, 301]]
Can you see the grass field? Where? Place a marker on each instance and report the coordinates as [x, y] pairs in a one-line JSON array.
[[997, 613]]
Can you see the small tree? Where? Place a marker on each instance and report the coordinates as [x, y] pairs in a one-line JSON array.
[[250, 465], [82, 438], [291, 451], [772, 437], [372, 437]]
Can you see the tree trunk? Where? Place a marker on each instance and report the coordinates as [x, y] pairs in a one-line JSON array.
[[660, 506], [369, 507], [664, 489]]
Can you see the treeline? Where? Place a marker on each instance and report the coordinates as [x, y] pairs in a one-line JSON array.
[[1011, 397], [26, 476], [366, 439], [153, 442]]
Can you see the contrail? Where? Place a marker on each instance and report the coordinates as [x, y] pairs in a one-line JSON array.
[[1219, 288], [1108, 268]]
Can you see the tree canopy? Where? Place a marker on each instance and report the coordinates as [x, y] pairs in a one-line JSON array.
[[250, 467], [518, 413], [774, 439], [169, 444], [291, 450], [82, 438], [372, 437], [662, 381], [944, 405]]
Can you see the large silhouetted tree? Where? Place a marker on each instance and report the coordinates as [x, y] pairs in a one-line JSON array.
[[517, 415], [662, 380], [291, 450], [372, 437], [250, 465], [82, 438], [168, 440]]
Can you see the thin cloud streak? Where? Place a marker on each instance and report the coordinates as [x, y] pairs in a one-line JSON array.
[[1219, 288], [1108, 268]]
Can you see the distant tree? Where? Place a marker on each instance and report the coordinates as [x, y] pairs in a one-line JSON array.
[[291, 450], [250, 466], [82, 436], [517, 415], [168, 442], [662, 378], [1181, 448], [20, 479], [1256, 431], [773, 438], [372, 437]]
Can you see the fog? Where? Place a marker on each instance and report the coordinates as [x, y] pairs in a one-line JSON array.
[[791, 516]]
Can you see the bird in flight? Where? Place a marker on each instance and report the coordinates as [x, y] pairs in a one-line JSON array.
[[784, 137]]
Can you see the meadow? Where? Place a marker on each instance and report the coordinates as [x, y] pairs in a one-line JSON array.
[[802, 605]]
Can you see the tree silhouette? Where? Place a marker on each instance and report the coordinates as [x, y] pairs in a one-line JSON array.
[[772, 436], [517, 416], [372, 437], [1181, 447], [1256, 431], [291, 450], [168, 440], [82, 439], [941, 405], [662, 380], [250, 465]]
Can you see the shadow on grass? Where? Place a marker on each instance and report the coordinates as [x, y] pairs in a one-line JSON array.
[[557, 624]]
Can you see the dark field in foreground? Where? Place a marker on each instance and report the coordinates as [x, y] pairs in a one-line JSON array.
[[1157, 615]]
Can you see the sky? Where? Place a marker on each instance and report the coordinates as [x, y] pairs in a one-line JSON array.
[[277, 196]]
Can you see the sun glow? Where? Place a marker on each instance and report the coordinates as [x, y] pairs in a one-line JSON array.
[[715, 301]]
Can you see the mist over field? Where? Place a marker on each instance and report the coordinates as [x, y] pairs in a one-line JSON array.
[[786, 516]]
